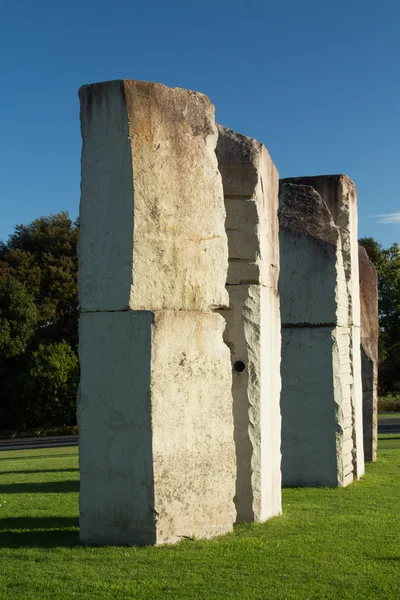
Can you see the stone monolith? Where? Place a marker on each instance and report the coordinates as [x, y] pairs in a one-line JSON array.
[[157, 456], [250, 182], [339, 194], [369, 352], [317, 429]]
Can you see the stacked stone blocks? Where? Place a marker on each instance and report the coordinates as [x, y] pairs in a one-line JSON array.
[[250, 182], [156, 431]]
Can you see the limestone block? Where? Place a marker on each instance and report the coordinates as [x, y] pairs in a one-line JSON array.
[[157, 454], [152, 209], [339, 194], [314, 445], [312, 282], [369, 352], [250, 182], [253, 335]]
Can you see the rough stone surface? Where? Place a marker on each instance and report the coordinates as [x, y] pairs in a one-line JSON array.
[[369, 352], [157, 454], [152, 209], [339, 194], [317, 426], [250, 182], [156, 432]]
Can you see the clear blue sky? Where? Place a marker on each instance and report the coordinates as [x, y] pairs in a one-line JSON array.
[[318, 82]]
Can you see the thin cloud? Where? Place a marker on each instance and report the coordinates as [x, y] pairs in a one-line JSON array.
[[390, 219]]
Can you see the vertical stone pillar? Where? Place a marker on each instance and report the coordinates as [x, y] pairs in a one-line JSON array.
[[250, 182], [317, 428], [157, 455], [369, 352], [339, 194]]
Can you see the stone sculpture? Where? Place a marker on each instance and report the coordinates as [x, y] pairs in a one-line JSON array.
[[321, 402], [157, 457], [250, 182]]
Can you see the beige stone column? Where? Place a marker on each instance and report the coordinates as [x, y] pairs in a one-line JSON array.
[[369, 352], [157, 457], [250, 182], [316, 402], [339, 194]]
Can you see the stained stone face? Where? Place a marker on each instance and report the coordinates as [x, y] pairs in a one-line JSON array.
[[152, 211], [252, 333]]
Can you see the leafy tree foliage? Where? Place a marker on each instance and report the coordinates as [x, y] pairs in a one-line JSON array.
[[38, 323], [387, 263]]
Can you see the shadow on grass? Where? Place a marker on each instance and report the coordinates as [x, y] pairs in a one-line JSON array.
[[28, 472], [39, 532], [52, 487], [36, 456]]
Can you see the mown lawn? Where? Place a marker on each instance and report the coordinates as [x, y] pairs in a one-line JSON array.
[[329, 544]]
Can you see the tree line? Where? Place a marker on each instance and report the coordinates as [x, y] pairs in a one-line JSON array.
[[39, 367], [387, 263]]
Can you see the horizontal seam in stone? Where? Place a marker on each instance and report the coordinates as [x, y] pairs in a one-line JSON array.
[[310, 325]]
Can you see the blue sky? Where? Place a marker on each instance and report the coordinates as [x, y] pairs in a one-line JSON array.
[[317, 82]]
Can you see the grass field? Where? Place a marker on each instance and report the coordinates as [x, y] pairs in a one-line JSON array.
[[329, 544]]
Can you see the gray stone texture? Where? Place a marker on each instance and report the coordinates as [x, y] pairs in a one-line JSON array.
[[339, 194], [157, 456], [369, 352], [317, 428], [250, 183], [148, 161]]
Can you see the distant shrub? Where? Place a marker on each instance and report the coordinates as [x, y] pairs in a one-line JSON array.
[[389, 403]]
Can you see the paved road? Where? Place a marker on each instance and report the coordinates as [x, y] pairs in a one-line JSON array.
[[389, 425], [58, 441], [384, 426]]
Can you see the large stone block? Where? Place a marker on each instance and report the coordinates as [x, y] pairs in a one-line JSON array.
[[316, 410], [152, 209], [157, 456], [369, 352], [339, 194], [250, 182], [253, 335]]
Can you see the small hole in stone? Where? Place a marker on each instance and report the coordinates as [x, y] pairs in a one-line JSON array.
[[239, 366]]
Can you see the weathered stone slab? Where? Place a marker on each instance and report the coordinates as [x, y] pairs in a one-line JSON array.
[[369, 352], [250, 182], [312, 280], [252, 332], [311, 455], [156, 433], [317, 432], [152, 209], [339, 194]]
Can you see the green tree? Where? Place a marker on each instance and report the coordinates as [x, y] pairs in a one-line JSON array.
[[387, 263], [39, 323]]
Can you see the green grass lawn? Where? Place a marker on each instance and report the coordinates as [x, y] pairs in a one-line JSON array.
[[329, 543]]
